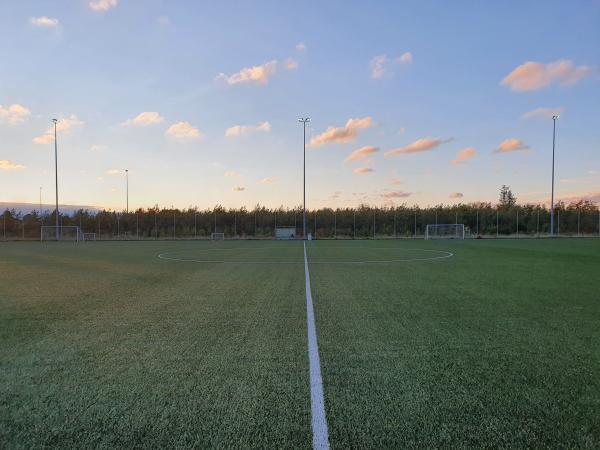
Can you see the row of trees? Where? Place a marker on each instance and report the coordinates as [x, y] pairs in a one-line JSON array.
[[581, 218]]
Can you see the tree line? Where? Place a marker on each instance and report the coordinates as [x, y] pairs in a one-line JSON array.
[[485, 219]]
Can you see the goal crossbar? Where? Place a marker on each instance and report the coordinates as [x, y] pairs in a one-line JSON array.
[[445, 231]]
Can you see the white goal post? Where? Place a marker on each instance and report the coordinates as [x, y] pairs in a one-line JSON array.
[[217, 236], [445, 231], [283, 233], [60, 233]]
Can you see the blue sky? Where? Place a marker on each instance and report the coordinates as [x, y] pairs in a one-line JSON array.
[[426, 79]]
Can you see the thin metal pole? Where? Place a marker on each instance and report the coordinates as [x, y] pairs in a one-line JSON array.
[[558, 222], [415, 223], [497, 222], [56, 178], [537, 228], [394, 223], [315, 227], [477, 222], [155, 227], [215, 214], [137, 225], [173, 224], [373, 224], [254, 223], [517, 223], [127, 189], [552, 196], [195, 225], [41, 215], [304, 121], [234, 224], [354, 211], [578, 222], [335, 224]]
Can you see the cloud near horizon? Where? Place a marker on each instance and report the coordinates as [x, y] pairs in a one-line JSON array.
[[238, 188], [532, 75], [183, 131], [7, 165], [362, 170], [463, 155], [14, 114], [256, 74], [546, 113], [511, 145], [362, 153], [456, 195], [44, 21], [269, 180], [63, 125], [420, 145], [347, 133], [239, 130], [102, 5], [396, 194]]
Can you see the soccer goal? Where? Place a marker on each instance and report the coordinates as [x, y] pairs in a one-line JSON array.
[[282, 233], [60, 233], [445, 231], [217, 236], [88, 236]]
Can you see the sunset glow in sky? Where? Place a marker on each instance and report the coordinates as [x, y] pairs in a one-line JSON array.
[[411, 102]]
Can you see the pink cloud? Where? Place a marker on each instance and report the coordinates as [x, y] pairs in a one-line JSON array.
[[256, 74], [531, 75], [347, 133], [396, 194], [511, 145], [420, 145], [362, 153], [457, 195], [362, 170], [463, 155]]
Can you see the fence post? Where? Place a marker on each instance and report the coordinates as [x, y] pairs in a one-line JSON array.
[[137, 225], [477, 232], [354, 212], [394, 223], [173, 224], [558, 223], [254, 223], [235, 224], [537, 229], [497, 223], [578, 222], [517, 223], [155, 226], [315, 227], [335, 224], [373, 224]]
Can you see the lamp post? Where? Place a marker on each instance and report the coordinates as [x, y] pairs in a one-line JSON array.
[[304, 121], [56, 178], [554, 117]]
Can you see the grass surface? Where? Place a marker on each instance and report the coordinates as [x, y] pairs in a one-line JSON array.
[[106, 345]]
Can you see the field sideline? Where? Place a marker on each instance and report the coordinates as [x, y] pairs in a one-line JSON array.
[[472, 344]]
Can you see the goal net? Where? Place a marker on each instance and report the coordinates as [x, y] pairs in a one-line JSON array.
[[285, 233], [445, 231], [60, 233], [217, 236], [88, 236]]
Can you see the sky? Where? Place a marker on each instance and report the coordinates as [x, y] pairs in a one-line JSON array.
[[416, 102]]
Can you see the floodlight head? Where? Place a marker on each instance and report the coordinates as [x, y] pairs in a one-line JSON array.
[[55, 120], [555, 116]]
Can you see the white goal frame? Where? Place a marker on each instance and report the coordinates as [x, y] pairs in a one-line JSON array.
[[217, 236], [60, 233], [88, 236], [284, 233], [445, 231]]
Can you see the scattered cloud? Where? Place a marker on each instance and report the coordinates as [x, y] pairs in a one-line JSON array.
[[578, 196], [144, 119], [102, 5], [240, 130], [362, 170], [98, 148], [184, 131], [290, 64], [420, 145], [463, 155], [546, 113], [347, 133], [381, 65], [238, 189], [394, 181], [511, 145], [231, 174], [43, 21], [457, 195], [256, 74], [5, 164], [64, 125], [396, 194], [301, 47], [270, 180], [532, 76], [336, 194], [362, 153], [14, 114]]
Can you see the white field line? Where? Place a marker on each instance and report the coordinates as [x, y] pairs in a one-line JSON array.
[[317, 402]]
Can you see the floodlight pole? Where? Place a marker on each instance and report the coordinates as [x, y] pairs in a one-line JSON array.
[[56, 177], [304, 120], [127, 190], [554, 117]]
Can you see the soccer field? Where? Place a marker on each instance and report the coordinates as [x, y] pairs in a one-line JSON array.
[[422, 344]]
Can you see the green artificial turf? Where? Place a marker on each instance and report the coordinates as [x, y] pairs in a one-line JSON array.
[[496, 347], [105, 345]]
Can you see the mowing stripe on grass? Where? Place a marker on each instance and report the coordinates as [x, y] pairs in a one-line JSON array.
[[317, 402]]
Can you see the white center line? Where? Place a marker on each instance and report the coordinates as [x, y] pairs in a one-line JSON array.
[[317, 402]]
